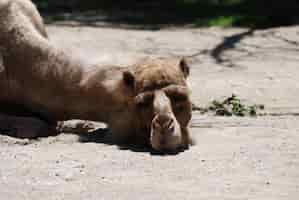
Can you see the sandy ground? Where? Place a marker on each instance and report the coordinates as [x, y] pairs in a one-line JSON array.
[[234, 158]]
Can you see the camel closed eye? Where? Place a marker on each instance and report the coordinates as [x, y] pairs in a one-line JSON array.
[[178, 100], [177, 97], [144, 100], [178, 106], [177, 92]]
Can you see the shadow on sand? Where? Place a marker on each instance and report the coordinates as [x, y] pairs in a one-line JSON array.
[[102, 136]]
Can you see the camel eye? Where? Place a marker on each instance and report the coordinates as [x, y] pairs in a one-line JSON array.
[[177, 93], [178, 101], [176, 97], [144, 100], [178, 106], [179, 98]]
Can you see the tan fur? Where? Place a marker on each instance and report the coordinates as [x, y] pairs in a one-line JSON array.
[[44, 79], [165, 81]]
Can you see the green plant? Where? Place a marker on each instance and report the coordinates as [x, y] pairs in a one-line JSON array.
[[231, 106]]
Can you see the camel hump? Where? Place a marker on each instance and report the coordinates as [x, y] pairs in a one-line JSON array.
[[28, 9]]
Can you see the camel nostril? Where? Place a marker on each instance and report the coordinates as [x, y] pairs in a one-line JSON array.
[[164, 120], [171, 129], [169, 124], [161, 119]]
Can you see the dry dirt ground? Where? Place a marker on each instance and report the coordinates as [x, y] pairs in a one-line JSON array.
[[235, 158]]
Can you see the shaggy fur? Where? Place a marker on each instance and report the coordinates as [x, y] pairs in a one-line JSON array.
[[147, 102]]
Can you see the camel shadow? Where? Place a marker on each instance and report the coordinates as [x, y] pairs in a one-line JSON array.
[[34, 128], [102, 136]]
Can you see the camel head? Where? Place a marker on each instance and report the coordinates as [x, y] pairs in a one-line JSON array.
[[162, 102]]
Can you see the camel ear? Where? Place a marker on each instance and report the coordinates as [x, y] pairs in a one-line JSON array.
[[129, 78], [184, 67]]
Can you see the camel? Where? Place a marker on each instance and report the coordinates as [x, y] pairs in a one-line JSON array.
[[146, 103]]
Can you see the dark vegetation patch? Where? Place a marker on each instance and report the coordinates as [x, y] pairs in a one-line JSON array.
[[197, 13], [230, 106]]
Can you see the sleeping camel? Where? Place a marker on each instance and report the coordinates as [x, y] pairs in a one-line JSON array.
[[147, 103]]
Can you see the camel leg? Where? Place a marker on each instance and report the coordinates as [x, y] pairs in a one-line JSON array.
[[25, 127]]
